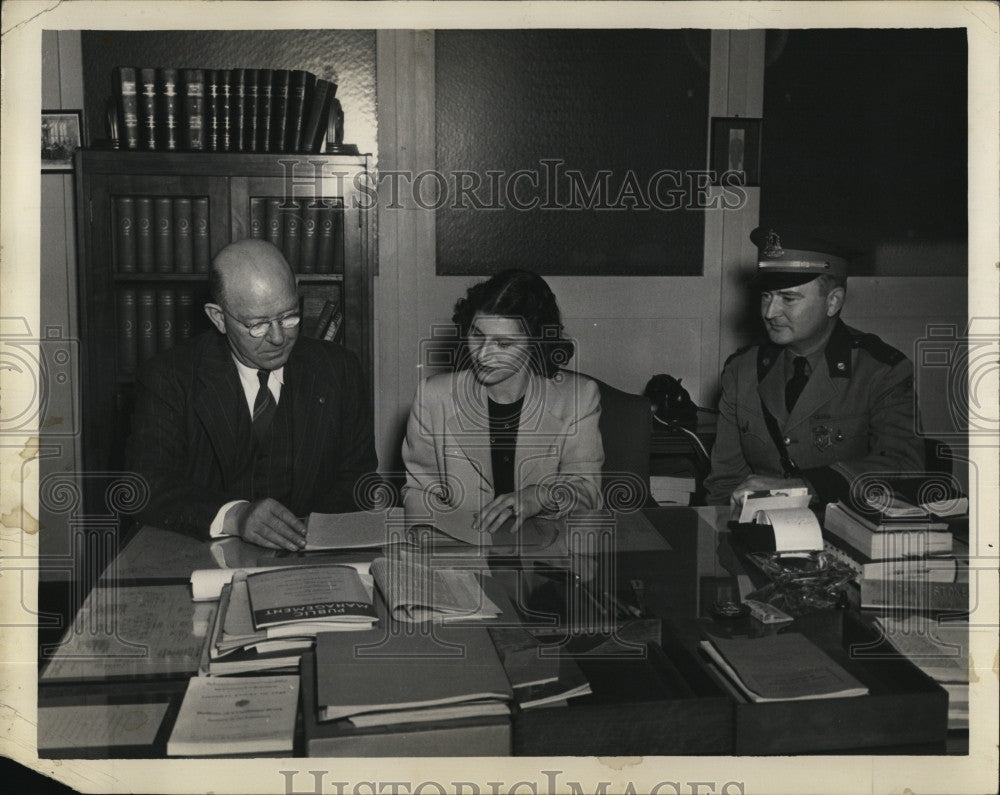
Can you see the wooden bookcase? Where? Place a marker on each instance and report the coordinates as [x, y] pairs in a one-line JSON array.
[[234, 195]]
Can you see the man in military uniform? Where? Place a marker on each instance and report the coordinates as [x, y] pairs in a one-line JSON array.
[[820, 403]]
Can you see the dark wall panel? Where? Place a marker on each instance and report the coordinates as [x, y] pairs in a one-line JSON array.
[[616, 106], [865, 144]]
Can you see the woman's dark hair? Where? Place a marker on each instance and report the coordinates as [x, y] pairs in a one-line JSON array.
[[523, 295]]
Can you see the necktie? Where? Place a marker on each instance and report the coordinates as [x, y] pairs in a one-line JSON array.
[[264, 407], [795, 385]]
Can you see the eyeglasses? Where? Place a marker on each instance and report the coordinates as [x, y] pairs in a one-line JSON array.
[[259, 329]]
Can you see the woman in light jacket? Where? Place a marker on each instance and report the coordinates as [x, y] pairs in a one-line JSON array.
[[508, 433]]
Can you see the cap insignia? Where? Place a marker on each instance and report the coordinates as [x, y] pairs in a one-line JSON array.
[[772, 246]]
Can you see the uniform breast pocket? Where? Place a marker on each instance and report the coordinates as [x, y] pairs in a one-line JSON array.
[[755, 441]]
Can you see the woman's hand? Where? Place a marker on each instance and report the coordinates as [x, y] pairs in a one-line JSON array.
[[521, 504]]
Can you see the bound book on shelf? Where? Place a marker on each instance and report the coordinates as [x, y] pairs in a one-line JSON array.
[[281, 85], [193, 138], [265, 98], [127, 99], [237, 110], [326, 237], [145, 247], [785, 667], [292, 237], [225, 78], [310, 595], [310, 215], [273, 225], [200, 244], [886, 544], [146, 314], [125, 233], [232, 716], [166, 318], [147, 109], [185, 314], [251, 107], [359, 674], [163, 211], [212, 110], [168, 121], [314, 128], [183, 238], [128, 348], [300, 95]]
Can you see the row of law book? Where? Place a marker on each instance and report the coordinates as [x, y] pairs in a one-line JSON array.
[[153, 320], [904, 556], [161, 234], [221, 110], [310, 234]]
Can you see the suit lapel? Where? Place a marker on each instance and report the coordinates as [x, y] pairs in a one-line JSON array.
[[538, 425], [311, 406], [771, 389], [467, 424], [819, 389], [220, 404]]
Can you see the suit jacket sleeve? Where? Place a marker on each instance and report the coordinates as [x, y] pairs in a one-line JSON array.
[[159, 451], [729, 466], [583, 450]]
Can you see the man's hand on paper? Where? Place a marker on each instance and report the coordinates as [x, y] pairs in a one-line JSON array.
[[266, 523]]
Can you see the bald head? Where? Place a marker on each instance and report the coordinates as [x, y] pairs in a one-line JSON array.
[[248, 270], [253, 289]]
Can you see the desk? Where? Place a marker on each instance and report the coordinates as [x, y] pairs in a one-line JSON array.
[[681, 555]]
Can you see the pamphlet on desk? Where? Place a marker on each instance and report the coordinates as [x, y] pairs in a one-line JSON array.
[[784, 667], [365, 530], [415, 592], [300, 596], [236, 715]]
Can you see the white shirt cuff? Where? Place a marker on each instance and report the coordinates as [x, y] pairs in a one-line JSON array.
[[215, 529]]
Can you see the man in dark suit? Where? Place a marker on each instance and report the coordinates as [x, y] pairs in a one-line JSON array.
[[820, 403], [247, 428]]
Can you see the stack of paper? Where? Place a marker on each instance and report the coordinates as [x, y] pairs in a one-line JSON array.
[[787, 667], [409, 677], [940, 650], [266, 619]]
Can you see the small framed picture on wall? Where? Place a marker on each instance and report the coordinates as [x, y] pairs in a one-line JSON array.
[[62, 135], [736, 150]]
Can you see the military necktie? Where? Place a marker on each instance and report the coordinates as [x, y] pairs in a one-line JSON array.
[[264, 407], [795, 385]]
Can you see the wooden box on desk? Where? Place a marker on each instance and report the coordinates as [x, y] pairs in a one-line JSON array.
[[904, 706], [684, 713], [485, 736]]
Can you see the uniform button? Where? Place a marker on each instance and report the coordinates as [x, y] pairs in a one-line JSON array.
[[787, 440], [841, 366]]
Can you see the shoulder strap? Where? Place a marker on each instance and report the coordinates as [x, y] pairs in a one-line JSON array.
[[791, 469]]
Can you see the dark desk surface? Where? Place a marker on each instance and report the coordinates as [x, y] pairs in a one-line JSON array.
[[681, 556]]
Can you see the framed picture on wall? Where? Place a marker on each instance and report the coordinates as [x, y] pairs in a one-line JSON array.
[[62, 135], [736, 150]]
